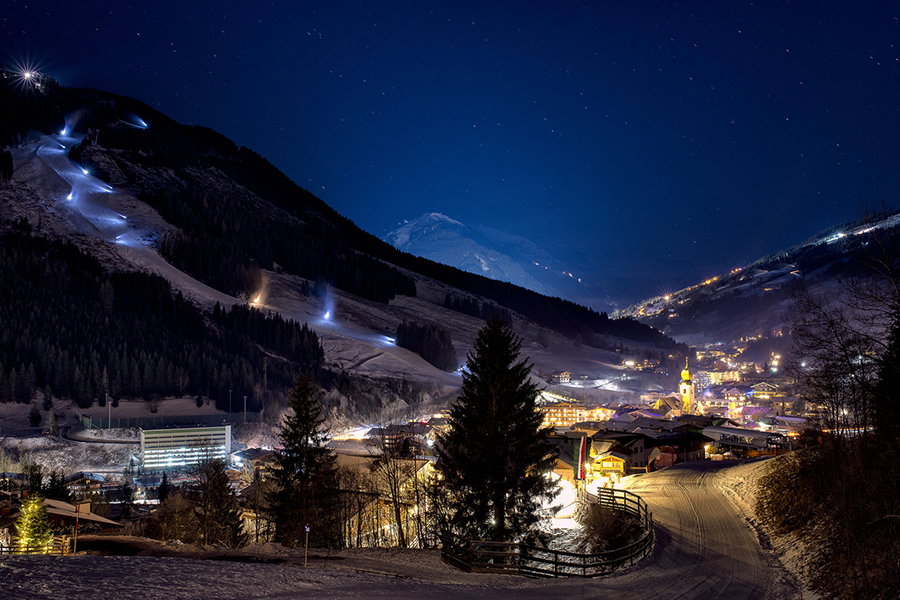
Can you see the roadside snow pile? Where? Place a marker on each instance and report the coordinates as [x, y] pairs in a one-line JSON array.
[[739, 485]]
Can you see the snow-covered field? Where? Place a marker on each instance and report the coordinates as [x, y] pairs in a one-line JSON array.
[[704, 549]]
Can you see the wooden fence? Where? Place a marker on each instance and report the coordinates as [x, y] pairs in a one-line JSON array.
[[61, 545], [480, 556]]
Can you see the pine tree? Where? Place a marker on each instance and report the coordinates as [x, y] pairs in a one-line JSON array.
[[34, 415], [305, 472], [127, 491], [495, 456], [216, 507], [165, 488], [48, 399], [33, 532]]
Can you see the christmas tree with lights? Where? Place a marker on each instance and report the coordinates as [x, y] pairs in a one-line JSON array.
[[33, 533]]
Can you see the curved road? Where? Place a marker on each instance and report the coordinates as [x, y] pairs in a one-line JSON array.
[[704, 549]]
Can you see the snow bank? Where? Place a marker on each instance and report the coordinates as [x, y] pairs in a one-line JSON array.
[[739, 485]]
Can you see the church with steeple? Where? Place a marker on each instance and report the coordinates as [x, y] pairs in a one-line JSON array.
[[686, 391]]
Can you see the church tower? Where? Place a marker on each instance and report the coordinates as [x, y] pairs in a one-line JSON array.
[[686, 389]]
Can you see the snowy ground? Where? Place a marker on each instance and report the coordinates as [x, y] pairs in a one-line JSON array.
[[739, 487], [704, 549]]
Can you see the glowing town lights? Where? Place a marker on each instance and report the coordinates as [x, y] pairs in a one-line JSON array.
[[27, 74]]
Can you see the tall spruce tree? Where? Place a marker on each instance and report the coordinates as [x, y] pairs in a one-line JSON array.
[[34, 415], [164, 489], [495, 456], [305, 472], [216, 506]]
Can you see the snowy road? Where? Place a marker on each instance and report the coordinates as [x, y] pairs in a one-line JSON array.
[[704, 550]]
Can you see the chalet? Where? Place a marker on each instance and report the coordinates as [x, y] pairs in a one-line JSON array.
[[564, 377], [764, 390], [611, 466], [83, 484], [637, 446], [62, 515]]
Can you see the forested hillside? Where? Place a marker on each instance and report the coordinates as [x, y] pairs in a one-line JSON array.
[[234, 213], [69, 327]]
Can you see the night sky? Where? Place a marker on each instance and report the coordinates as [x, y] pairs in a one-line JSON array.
[[666, 141]]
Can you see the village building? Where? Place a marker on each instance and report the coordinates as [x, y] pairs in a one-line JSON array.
[[565, 414], [179, 448], [562, 378]]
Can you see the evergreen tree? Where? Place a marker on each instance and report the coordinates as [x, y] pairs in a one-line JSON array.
[[34, 415], [48, 399], [495, 456], [304, 472], [165, 488], [55, 487], [35, 474], [216, 506], [127, 492], [33, 532], [886, 405]]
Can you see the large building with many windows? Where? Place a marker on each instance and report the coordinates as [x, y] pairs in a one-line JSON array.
[[566, 414], [177, 448]]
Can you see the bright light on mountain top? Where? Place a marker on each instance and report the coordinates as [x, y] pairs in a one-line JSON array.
[[327, 316], [64, 131]]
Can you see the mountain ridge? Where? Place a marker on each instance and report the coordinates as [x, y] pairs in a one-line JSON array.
[[234, 230], [754, 300], [496, 254]]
